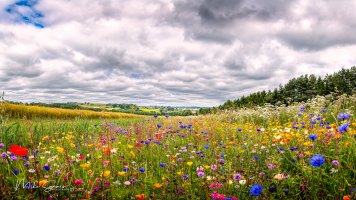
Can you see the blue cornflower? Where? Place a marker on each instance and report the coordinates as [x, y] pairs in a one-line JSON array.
[[190, 126], [313, 137], [185, 177], [256, 190], [343, 116], [16, 171], [142, 169], [124, 169], [293, 148], [317, 160], [159, 125], [162, 164], [323, 110], [239, 129], [155, 116], [46, 167], [343, 128], [286, 191], [206, 146], [255, 158], [166, 115]]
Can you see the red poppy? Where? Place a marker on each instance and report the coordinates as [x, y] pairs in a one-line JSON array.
[[18, 150]]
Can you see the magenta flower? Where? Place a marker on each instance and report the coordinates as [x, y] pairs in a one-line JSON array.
[[78, 182]]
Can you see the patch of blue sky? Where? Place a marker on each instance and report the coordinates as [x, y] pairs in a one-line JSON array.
[[136, 76], [24, 11]]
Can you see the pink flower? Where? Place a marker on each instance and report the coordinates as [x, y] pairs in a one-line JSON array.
[[216, 184], [106, 163], [78, 182], [216, 195]]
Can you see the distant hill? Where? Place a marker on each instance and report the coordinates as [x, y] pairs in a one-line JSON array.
[[296, 90]]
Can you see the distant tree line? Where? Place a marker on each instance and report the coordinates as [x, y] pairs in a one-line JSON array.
[[296, 90]]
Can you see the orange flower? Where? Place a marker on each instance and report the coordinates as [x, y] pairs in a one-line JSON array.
[[106, 150], [141, 196], [157, 185], [346, 198]]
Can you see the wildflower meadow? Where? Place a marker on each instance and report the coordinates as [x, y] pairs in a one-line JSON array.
[[303, 151]]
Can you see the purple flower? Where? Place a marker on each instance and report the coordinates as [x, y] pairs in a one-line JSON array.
[[201, 174], [2, 145], [335, 162], [142, 169], [162, 164], [16, 171], [159, 125], [237, 177], [214, 167], [3, 155]]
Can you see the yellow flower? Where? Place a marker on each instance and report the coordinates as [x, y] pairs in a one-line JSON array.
[[179, 173], [163, 178], [130, 146], [72, 145], [157, 185], [106, 173], [189, 163], [60, 150], [45, 138], [122, 173], [207, 167], [85, 165]]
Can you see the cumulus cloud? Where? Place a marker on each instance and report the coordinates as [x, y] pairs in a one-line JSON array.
[[167, 52]]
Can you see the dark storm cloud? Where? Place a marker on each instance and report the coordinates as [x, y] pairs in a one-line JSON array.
[[177, 52]]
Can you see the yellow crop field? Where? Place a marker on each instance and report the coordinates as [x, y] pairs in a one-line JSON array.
[[25, 111]]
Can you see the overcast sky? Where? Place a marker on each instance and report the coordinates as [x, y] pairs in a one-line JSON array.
[[168, 52]]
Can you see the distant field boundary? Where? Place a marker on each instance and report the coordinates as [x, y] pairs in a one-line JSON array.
[[26, 111]]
